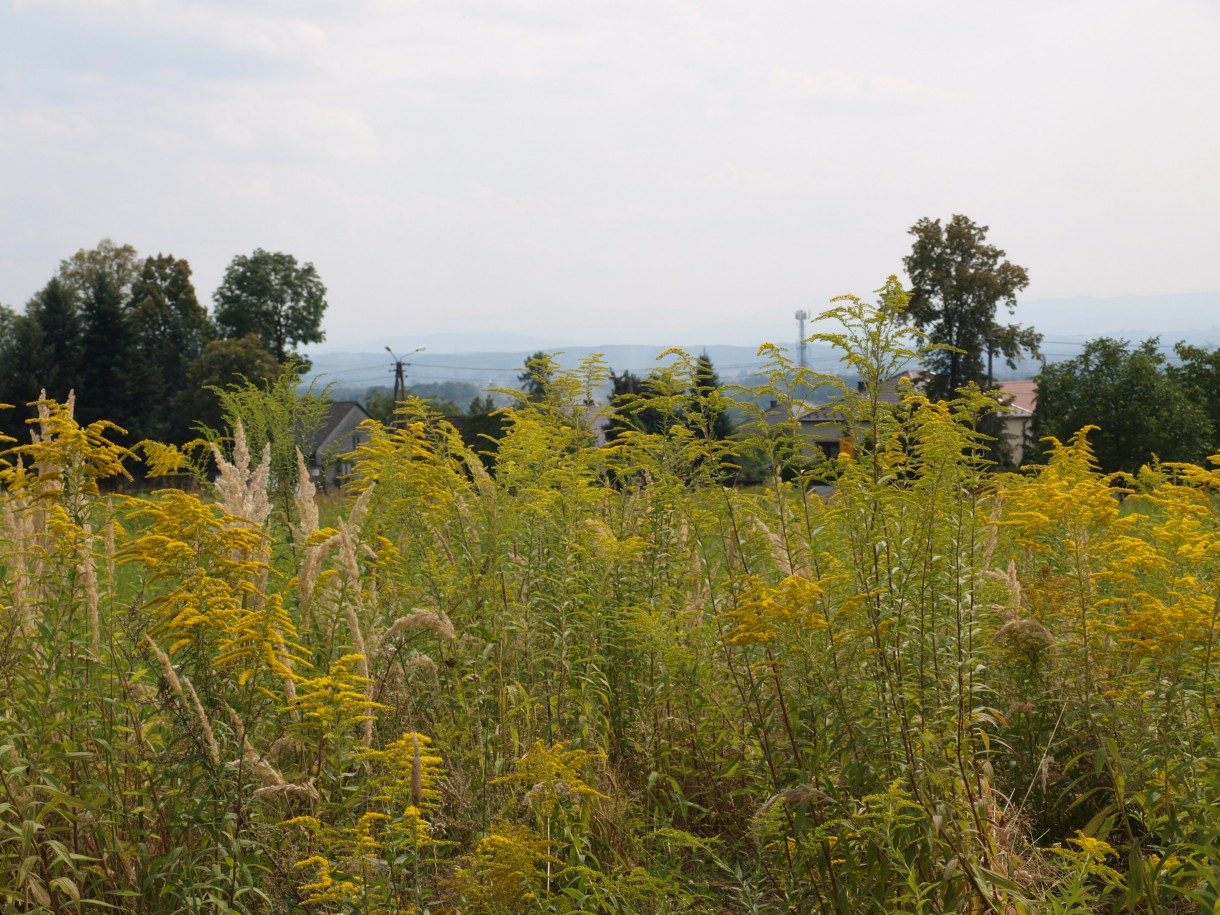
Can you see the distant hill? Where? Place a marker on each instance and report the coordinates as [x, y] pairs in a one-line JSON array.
[[494, 359], [350, 370], [1191, 316]]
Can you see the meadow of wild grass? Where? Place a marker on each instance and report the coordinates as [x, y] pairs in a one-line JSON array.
[[598, 680]]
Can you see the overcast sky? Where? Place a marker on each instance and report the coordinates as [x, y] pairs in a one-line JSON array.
[[610, 171]]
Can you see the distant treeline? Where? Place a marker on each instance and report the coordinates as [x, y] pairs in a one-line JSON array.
[[129, 335]]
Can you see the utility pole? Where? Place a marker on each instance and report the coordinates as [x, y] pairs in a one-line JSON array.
[[400, 377]]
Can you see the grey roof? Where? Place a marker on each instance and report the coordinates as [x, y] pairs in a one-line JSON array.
[[342, 416]]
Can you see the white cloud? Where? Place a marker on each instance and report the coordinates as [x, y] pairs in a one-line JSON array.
[[625, 162], [843, 86], [268, 30], [243, 120], [20, 128]]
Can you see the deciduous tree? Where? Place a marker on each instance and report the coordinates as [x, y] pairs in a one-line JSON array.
[[120, 263], [1139, 409], [269, 294], [483, 428], [220, 364], [957, 282], [627, 409], [1199, 374], [662, 399]]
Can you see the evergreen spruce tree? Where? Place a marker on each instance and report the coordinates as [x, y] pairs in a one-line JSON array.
[[58, 350], [169, 329], [708, 414], [105, 391]]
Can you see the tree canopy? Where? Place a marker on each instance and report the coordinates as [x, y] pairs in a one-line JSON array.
[[631, 407], [691, 397], [268, 293], [107, 385], [957, 282], [169, 329], [120, 263], [1138, 405], [128, 335], [708, 411], [1198, 372], [220, 364], [56, 314], [535, 377]]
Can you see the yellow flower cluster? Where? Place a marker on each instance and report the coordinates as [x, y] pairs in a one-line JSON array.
[[323, 887], [337, 700], [552, 773], [761, 610], [406, 774]]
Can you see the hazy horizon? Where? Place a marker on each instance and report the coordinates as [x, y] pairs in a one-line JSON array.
[[1073, 319]]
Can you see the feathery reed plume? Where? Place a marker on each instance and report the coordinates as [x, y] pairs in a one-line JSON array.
[[417, 772], [351, 571], [360, 507], [231, 483], [283, 745], [306, 502], [270, 779], [1027, 636], [182, 687], [779, 552], [242, 490], [46, 471], [306, 791], [347, 554], [16, 543], [110, 550], [308, 576], [290, 684], [694, 609], [482, 479], [1028, 628], [259, 503], [213, 748], [167, 669], [418, 661], [427, 619], [1014, 586], [263, 770], [393, 685], [797, 796]]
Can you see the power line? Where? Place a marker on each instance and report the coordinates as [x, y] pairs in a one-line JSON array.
[[400, 374], [421, 368]]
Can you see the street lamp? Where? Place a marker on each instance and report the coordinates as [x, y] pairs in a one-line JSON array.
[[400, 375]]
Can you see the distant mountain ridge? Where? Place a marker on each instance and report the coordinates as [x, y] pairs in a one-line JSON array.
[[1174, 316], [1192, 315], [494, 359], [500, 369]]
